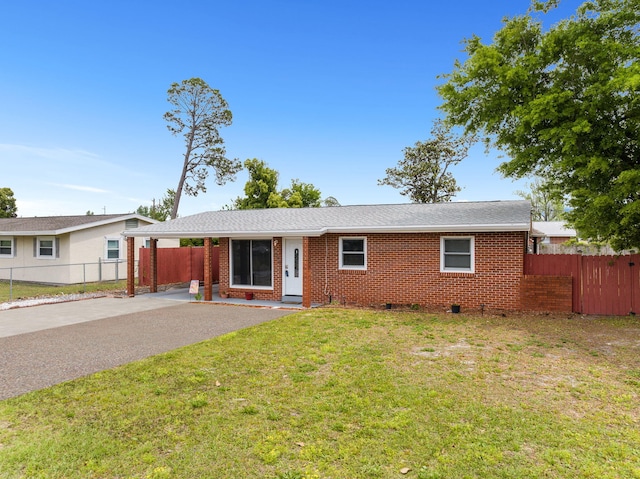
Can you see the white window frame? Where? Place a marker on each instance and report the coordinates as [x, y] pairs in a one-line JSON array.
[[106, 248], [39, 239], [364, 253], [471, 253], [12, 246]]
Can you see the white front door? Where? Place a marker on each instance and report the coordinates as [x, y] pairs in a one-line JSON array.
[[292, 267]]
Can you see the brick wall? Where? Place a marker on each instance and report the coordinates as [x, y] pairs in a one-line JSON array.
[[405, 269], [402, 269], [546, 293]]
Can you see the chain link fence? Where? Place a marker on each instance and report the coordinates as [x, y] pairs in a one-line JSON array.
[[79, 274]]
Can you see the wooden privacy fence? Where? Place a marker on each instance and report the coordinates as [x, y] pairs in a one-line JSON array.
[[601, 284], [178, 265]]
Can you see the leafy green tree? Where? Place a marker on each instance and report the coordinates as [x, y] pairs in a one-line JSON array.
[[261, 190], [563, 102], [546, 201], [198, 112], [330, 201], [8, 208], [424, 174], [301, 195], [160, 211]]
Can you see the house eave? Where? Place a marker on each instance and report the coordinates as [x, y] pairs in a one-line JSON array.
[[30, 233], [482, 228], [81, 227]]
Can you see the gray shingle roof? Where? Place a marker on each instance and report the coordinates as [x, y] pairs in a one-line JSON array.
[[441, 217], [55, 225]]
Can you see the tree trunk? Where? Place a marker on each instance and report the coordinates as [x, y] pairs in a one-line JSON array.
[[183, 177]]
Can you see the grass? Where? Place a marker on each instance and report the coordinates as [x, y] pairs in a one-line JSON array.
[[334, 393], [21, 290]]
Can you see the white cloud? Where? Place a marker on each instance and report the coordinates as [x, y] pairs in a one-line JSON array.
[[58, 154], [89, 189]]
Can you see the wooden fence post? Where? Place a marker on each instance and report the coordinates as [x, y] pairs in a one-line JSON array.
[[153, 266], [131, 259]]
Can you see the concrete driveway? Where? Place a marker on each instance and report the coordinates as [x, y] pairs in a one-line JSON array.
[[45, 345]]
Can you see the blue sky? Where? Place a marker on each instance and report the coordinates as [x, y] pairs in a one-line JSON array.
[[328, 92]]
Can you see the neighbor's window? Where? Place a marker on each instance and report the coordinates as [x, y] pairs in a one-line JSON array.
[[353, 253], [45, 247], [6, 247], [251, 262], [456, 254], [112, 248]]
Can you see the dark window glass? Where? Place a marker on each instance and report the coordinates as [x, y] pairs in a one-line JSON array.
[[457, 261], [251, 262], [457, 254], [353, 252], [5, 247], [261, 262], [113, 249], [457, 246], [46, 247], [353, 245]]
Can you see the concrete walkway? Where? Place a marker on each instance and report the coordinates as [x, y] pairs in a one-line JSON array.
[[44, 345]]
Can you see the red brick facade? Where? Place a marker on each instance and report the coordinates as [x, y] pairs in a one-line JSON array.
[[546, 293], [405, 269], [401, 269]]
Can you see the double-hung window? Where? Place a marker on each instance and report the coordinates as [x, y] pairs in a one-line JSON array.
[[457, 254], [353, 253], [112, 248], [251, 262], [6, 248], [46, 247]]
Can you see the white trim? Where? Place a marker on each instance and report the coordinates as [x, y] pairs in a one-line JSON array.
[[364, 253], [53, 247], [232, 285], [106, 247], [85, 226], [471, 253], [12, 246], [470, 228]]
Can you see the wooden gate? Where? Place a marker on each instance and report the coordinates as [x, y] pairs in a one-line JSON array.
[[178, 265], [601, 284]]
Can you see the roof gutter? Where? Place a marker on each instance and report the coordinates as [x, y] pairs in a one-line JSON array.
[[487, 228]]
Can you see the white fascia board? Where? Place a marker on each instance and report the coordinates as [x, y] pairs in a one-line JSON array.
[[435, 229], [223, 234], [29, 233], [105, 222], [339, 230]]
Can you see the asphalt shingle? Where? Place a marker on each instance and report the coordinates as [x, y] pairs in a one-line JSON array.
[[467, 216]]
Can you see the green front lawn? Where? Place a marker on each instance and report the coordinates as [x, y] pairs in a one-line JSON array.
[[333, 393]]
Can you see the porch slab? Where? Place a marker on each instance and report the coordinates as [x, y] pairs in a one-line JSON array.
[[182, 294]]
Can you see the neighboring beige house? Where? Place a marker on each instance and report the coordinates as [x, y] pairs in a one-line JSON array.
[[68, 249]]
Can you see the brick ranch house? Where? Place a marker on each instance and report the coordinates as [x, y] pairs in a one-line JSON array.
[[468, 253]]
